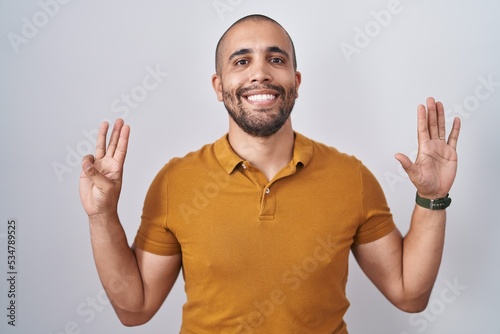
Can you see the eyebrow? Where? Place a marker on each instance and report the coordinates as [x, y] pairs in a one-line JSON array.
[[245, 51]]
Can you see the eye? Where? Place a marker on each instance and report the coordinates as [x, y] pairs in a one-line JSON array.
[[241, 62], [277, 60]]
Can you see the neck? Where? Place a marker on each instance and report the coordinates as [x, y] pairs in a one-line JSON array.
[[268, 154]]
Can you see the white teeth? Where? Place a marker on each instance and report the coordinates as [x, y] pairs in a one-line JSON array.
[[261, 97]]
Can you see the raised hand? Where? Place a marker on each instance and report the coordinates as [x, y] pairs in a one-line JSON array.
[[435, 167], [101, 177]]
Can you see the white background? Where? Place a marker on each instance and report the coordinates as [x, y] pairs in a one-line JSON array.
[[65, 68]]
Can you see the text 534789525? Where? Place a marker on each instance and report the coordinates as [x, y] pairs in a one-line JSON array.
[[11, 272]]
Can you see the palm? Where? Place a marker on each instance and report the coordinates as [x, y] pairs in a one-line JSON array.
[[435, 167], [101, 179]]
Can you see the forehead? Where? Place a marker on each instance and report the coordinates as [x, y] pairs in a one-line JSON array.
[[255, 35]]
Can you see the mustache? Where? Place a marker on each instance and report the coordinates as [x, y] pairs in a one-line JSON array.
[[243, 90]]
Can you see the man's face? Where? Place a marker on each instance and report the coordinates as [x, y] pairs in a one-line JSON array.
[[257, 81]]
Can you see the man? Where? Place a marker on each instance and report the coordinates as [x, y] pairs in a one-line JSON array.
[[262, 221]]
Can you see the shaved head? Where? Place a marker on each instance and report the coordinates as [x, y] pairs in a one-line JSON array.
[[254, 18]]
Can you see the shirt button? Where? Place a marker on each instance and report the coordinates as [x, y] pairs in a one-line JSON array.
[[243, 166], [268, 190]]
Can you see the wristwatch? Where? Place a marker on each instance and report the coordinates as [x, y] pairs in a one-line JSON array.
[[433, 204]]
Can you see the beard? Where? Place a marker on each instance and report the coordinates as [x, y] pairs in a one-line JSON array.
[[261, 122]]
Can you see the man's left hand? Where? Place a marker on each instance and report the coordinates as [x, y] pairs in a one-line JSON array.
[[435, 167]]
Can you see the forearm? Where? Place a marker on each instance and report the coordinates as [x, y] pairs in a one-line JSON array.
[[116, 264], [422, 253]]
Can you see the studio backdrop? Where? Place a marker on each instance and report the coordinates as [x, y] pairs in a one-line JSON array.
[[66, 66]]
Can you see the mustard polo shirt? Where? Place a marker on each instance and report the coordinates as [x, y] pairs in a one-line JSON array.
[[263, 256]]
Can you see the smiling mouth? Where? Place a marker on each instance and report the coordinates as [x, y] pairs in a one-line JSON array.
[[261, 97]]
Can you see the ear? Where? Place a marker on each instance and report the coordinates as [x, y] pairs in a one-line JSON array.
[[217, 85], [298, 80]]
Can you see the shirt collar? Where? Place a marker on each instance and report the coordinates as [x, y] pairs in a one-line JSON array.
[[229, 160], [302, 150], [225, 154]]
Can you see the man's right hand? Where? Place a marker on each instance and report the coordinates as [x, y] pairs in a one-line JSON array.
[[101, 177], [136, 282]]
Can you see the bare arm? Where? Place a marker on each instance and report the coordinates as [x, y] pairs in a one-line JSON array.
[[135, 281], [405, 269]]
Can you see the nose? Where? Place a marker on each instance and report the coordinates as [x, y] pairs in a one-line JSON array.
[[261, 72]]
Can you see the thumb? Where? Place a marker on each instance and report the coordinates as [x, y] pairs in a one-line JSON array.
[[88, 168], [404, 161]]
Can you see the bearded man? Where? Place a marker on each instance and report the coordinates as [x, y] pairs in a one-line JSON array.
[[262, 221]]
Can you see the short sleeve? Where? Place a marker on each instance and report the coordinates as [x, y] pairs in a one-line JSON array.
[[377, 220], [153, 235]]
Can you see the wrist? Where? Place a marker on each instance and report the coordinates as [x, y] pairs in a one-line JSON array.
[[103, 218], [436, 203]]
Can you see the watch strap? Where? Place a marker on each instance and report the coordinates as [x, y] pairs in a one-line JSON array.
[[433, 204]]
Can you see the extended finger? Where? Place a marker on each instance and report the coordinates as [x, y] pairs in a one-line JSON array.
[[100, 149], [422, 125], [432, 118], [115, 136], [441, 121], [455, 131], [121, 148], [403, 160], [407, 165]]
